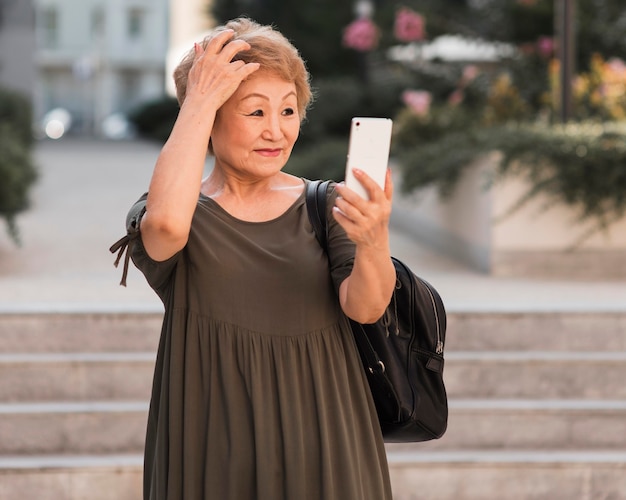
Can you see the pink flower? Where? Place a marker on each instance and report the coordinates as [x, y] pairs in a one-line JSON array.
[[409, 26], [617, 65], [456, 97], [418, 101], [361, 35], [470, 72], [545, 46]]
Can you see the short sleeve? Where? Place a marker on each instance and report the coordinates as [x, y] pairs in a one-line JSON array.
[[340, 248], [157, 274]]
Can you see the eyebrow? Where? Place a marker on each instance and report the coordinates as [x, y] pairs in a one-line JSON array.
[[290, 93]]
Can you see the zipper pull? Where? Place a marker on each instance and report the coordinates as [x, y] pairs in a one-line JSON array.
[[439, 348], [386, 320], [395, 306]]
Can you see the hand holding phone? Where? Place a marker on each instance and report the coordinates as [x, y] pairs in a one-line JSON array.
[[368, 150]]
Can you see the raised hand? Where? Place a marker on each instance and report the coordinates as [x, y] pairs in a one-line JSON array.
[[366, 222], [214, 74]]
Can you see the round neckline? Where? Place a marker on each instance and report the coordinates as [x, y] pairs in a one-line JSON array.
[[289, 209]]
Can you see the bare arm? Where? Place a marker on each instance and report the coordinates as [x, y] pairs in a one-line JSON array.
[[175, 183], [365, 294]]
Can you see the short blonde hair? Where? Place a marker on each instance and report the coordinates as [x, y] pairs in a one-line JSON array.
[[268, 47]]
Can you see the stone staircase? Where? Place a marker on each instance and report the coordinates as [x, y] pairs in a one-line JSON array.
[[537, 408], [537, 411], [74, 392]]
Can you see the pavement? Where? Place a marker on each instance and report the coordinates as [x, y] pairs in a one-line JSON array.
[[79, 208]]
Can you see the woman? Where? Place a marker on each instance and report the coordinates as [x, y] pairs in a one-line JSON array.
[[258, 390]]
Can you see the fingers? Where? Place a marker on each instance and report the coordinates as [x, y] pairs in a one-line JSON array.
[[348, 210], [223, 46], [354, 207], [365, 220], [368, 183], [213, 72], [388, 185], [217, 42], [374, 191], [369, 228]]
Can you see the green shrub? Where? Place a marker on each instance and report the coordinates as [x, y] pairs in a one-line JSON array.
[[16, 110], [323, 144], [315, 28], [17, 174], [579, 164], [336, 101], [324, 161], [155, 119], [17, 170]]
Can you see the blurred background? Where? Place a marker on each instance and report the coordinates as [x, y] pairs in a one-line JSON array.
[[480, 92], [508, 156]]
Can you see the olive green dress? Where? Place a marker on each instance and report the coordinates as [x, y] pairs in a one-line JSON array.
[[258, 390]]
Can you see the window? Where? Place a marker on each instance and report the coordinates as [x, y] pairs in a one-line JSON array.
[[48, 27], [135, 23], [97, 23], [130, 88]]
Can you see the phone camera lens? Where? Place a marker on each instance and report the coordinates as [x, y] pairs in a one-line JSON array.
[[358, 123]]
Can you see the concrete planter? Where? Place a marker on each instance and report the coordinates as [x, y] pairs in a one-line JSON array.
[[538, 240]]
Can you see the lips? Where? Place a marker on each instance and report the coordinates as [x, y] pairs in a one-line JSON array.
[[269, 152]]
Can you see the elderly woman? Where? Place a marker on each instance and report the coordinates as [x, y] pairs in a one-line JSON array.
[[258, 392]]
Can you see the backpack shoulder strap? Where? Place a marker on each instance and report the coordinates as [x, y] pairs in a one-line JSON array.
[[316, 192]]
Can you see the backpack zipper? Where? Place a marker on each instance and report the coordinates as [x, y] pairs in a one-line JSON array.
[[439, 348]]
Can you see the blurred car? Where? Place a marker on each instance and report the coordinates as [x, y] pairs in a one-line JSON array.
[[56, 123], [118, 127]]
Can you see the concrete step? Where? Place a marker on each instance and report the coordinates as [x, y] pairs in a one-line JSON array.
[[76, 376], [510, 475], [31, 332], [72, 428], [88, 477], [530, 424], [536, 331], [535, 375], [79, 332], [470, 374], [537, 408], [432, 475], [119, 427]]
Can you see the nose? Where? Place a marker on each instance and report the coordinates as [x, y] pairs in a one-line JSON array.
[[273, 130]]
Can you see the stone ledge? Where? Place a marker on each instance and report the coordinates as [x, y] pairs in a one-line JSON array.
[[508, 475], [585, 264], [541, 239], [71, 477]]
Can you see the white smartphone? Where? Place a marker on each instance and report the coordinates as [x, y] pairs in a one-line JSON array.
[[368, 150]]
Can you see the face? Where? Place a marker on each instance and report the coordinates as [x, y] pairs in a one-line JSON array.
[[255, 130]]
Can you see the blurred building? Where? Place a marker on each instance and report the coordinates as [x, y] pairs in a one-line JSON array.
[[189, 20], [98, 58], [17, 45], [90, 60]]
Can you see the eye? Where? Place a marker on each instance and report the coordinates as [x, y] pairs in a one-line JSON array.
[[258, 112], [288, 112]]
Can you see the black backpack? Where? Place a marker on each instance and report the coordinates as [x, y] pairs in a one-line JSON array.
[[402, 353]]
